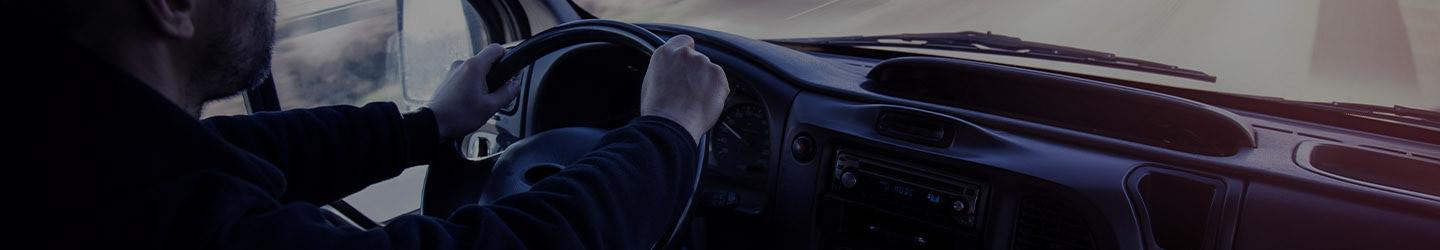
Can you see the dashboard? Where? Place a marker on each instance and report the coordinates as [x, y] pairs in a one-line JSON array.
[[806, 156]]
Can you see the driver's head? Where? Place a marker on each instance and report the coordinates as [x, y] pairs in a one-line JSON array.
[[192, 51]]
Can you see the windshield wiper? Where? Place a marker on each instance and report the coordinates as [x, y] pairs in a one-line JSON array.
[[1397, 113], [970, 41]]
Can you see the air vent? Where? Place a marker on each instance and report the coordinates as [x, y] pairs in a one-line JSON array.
[[1048, 222], [1179, 210], [1385, 170], [915, 128]]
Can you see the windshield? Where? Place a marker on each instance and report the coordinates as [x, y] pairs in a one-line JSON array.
[[1381, 52]]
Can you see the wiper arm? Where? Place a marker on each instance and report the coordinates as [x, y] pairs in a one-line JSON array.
[[970, 41], [1400, 114]]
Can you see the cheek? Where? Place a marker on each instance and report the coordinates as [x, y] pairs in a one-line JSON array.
[[260, 25], [268, 13]]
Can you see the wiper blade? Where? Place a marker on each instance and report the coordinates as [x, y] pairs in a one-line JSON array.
[[1397, 113], [971, 41]]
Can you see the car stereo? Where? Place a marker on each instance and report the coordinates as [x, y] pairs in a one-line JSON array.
[[878, 203]]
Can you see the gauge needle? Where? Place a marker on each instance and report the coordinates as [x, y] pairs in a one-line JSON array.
[[732, 132]]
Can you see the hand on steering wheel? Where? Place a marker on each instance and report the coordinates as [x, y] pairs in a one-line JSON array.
[[684, 86], [463, 103], [680, 85]]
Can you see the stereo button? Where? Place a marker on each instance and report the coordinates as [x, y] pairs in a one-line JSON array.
[[848, 180]]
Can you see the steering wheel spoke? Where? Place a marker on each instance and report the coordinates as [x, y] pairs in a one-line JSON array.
[[535, 157]]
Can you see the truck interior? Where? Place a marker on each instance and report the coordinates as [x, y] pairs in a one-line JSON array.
[[914, 139]]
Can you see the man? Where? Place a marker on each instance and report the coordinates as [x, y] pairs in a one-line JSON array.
[[126, 164]]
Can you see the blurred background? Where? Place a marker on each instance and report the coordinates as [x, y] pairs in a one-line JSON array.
[[1382, 52], [349, 52]]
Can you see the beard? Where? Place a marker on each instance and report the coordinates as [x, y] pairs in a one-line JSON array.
[[233, 55]]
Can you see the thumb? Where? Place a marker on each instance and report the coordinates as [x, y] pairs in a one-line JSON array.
[[479, 65], [456, 64], [454, 68]]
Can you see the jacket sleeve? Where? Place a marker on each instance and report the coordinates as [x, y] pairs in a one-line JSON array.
[[327, 153], [623, 195]]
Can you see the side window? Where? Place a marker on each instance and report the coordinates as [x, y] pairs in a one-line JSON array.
[[330, 52], [234, 105], [336, 55], [353, 52]]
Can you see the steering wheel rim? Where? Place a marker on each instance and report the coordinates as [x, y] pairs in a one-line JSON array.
[[589, 31], [566, 35]]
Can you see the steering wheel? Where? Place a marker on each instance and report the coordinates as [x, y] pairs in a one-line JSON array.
[[535, 157]]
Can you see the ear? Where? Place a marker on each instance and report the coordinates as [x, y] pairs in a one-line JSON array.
[[172, 17]]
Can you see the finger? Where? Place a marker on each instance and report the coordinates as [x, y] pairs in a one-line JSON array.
[[487, 56], [678, 43], [716, 70], [684, 41], [491, 52], [503, 95], [697, 55]]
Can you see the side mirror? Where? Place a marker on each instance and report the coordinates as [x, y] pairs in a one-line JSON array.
[[432, 34]]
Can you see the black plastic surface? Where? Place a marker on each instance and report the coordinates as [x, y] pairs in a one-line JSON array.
[[1090, 169], [1113, 111], [1182, 209], [1280, 217], [821, 96], [1380, 169]]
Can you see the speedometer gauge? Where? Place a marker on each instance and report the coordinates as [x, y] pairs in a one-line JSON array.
[[740, 144]]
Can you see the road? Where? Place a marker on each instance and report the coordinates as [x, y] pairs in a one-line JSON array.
[[1374, 51]]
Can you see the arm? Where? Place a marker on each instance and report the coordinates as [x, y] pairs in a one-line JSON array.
[[329, 152], [621, 196]]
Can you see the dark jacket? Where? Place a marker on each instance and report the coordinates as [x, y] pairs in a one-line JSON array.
[[123, 168]]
